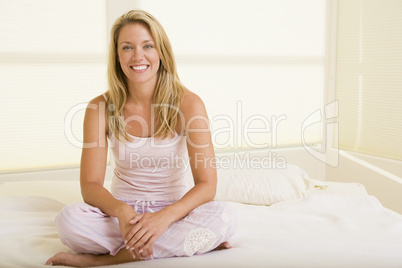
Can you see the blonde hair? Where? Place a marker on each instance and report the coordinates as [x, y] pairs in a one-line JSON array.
[[168, 92]]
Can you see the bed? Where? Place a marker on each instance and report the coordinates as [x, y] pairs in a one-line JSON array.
[[285, 218]]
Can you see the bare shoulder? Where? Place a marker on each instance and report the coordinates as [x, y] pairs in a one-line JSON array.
[[97, 104], [96, 109], [98, 99], [192, 104]]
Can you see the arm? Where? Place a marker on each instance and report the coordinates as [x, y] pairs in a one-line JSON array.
[[202, 159], [149, 226], [93, 166]]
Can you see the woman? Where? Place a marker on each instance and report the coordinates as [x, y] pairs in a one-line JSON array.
[[155, 127]]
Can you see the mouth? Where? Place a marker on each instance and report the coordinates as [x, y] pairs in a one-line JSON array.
[[139, 67]]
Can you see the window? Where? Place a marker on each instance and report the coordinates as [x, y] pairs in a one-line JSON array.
[[52, 58], [258, 65], [369, 80]]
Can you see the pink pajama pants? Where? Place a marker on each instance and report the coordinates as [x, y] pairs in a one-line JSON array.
[[86, 229]]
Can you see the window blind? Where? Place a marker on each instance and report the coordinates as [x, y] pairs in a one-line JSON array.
[[257, 65], [52, 58], [369, 77]]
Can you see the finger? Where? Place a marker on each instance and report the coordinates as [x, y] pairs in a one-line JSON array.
[[133, 254], [148, 246], [133, 242], [140, 246], [136, 219], [151, 253], [143, 254], [135, 228], [136, 255], [131, 233]]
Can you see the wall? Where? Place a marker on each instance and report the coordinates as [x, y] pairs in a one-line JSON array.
[[298, 156], [388, 191], [71, 174], [280, 157]]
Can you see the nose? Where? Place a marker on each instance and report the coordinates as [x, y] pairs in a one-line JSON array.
[[137, 54]]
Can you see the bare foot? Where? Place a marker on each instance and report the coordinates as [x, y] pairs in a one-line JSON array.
[[88, 260], [68, 259], [224, 245]]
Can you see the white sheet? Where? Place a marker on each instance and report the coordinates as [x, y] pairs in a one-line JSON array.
[[322, 230]]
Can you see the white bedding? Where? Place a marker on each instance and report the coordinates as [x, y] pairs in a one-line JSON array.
[[331, 227]]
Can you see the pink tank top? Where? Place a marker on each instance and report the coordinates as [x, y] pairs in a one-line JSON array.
[[150, 169]]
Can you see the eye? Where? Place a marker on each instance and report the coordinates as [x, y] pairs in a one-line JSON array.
[[148, 46], [126, 48]]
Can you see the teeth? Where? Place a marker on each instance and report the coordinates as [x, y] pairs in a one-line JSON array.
[[138, 68]]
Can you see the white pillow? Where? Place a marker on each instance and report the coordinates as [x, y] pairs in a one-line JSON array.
[[333, 187], [261, 186]]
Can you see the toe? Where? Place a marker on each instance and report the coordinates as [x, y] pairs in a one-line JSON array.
[[49, 261]]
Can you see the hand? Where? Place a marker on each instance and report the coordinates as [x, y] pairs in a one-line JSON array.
[[147, 228], [124, 218]]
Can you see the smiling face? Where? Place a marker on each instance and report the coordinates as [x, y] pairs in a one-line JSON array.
[[137, 55]]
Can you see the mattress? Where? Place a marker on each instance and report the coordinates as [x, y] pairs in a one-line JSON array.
[[333, 225]]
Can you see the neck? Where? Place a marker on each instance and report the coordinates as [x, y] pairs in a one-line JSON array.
[[141, 93]]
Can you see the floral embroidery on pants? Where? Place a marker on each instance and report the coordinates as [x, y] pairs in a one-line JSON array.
[[199, 240]]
